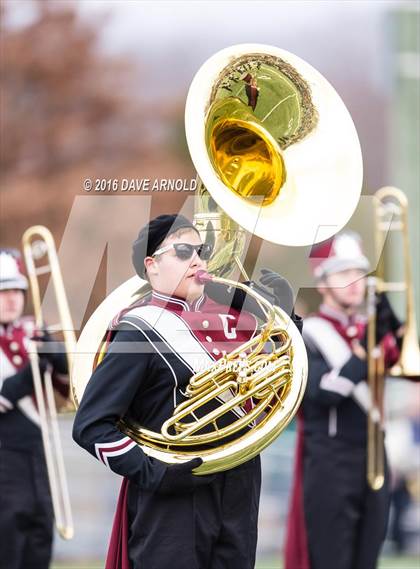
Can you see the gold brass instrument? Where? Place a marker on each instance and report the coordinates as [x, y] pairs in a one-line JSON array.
[[219, 230], [272, 143], [38, 246], [276, 381], [376, 372], [390, 216]]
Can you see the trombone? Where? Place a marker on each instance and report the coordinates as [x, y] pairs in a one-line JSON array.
[[38, 243], [391, 207]]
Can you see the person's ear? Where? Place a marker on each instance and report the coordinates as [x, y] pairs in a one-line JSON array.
[[151, 265]]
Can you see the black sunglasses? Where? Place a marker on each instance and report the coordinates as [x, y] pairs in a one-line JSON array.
[[185, 251]]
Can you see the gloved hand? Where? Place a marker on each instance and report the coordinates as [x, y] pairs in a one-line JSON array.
[[240, 301], [237, 298], [179, 478], [51, 351], [21, 383], [281, 288], [355, 369], [386, 320]]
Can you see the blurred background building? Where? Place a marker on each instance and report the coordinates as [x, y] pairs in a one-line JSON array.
[[97, 90]]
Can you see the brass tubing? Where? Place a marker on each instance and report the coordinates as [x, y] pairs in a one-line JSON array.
[[43, 388]]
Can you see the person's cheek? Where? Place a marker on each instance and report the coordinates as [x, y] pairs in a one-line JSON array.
[[180, 272]]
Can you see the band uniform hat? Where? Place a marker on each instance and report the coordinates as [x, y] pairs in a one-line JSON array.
[[339, 253], [11, 270], [153, 234]]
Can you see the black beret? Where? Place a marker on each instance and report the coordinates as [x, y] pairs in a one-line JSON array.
[[152, 235]]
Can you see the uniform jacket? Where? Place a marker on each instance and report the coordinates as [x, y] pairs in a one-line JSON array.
[[19, 417], [155, 350], [336, 401], [335, 406]]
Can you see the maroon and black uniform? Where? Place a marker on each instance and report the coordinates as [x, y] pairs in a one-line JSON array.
[[26, 516], [155, 350], [336, 521]]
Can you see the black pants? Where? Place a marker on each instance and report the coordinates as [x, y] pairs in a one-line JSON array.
[[345, 520], [26, 516], [214, 527], [400, 503]]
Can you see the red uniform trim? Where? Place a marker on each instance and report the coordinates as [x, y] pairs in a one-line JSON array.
[[296, 553], [117, 556]]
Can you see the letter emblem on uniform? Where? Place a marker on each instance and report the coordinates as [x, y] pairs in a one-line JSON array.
[[228, 328]]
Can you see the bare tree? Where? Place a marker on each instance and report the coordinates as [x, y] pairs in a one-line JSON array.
[[60, 96]]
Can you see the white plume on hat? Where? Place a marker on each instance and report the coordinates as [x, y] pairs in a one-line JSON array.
[[10, 274], [342, 252]]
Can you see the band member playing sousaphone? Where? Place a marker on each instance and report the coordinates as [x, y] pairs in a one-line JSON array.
[[167, 516], [26, 513], [336, 519], [193, 367]]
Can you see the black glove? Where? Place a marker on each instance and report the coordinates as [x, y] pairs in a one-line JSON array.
[[386, 320], [179, 478], [238, 299], [281, 288], [355, 369], [21, 383], [283, 293], [51, 351]]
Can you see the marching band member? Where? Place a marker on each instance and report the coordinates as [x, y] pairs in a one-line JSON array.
[[175, 519], [336, 521], [167, 517], [26, 515]]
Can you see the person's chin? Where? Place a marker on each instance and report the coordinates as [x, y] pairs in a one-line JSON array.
[[9, 318], [194, 290], [356, 303]]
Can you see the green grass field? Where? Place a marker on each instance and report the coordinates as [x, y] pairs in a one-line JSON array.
[[385, 563]]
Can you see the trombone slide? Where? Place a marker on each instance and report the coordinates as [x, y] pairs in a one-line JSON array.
[[376, 369], [51, 441]]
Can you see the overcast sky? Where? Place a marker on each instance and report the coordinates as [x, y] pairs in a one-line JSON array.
[[343, 38], [337, 37], [157, 24], [349, 42]]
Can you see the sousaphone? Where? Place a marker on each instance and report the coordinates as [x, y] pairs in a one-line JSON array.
[[277, 152], [274, 144]]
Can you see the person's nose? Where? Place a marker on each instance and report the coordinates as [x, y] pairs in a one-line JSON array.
[[196, 261]]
